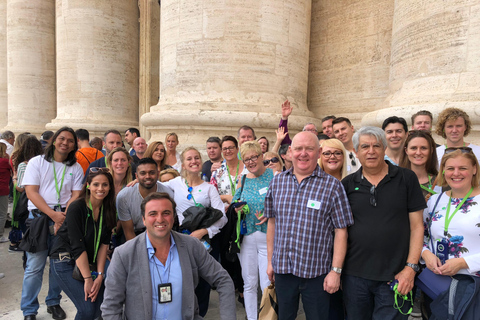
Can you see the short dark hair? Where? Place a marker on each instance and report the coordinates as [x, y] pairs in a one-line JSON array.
[[46, 135], [82, 134], [71, 158], [157, 196], [111, 131], [328, 118], [422, 113], [395, 119], [245, 127], [340, 120], [283, 149], [147, 161], [133, 131], [229, 138], [214, 140], [322, 136]]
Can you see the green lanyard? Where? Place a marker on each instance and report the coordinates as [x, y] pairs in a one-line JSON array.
[[448, 218], [429, 189], [233, 186], [56, 182], [106, 164], [95, 239]]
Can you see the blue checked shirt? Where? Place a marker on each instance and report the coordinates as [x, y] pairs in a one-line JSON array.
[[306, 215]]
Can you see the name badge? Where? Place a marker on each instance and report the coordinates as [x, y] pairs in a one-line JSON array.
[[263, 190], [313, 204], [164, 293]]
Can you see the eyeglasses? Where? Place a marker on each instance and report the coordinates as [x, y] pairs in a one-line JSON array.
[[328, 154], [252, 159], [228, 149], [373, 193], [97, 169], [273, 160], [462, 150], [352, 158]]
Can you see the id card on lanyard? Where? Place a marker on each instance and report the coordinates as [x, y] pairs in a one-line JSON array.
[[58, 188]]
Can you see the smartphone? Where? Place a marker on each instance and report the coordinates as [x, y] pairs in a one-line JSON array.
[[239, 204]]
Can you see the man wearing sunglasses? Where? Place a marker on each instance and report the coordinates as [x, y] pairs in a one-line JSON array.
[[343, 131], [130, 198], [386, 240]]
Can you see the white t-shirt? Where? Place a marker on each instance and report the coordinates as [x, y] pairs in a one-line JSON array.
[[441, 152], [205, 193], [39, 172]]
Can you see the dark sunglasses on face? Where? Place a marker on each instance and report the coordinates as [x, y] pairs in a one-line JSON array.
[[273, 160]]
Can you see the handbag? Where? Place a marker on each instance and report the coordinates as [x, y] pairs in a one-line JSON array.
[[235, 238], [77, 275], [430, 283], [268, 306]]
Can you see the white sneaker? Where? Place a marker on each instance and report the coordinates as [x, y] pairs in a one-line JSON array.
[[2, 275], [3, 239]]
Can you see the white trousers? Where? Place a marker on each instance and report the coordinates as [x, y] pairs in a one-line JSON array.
[[253, 259]]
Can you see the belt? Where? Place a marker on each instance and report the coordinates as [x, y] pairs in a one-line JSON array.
[[61, 256]]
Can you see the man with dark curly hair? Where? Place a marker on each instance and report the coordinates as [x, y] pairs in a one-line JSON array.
[[453, 125]]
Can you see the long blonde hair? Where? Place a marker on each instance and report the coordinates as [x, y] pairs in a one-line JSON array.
[[337, 144], [3, 150], [183, 172]]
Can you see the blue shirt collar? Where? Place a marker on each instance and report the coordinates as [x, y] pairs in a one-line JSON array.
[[151, 249]]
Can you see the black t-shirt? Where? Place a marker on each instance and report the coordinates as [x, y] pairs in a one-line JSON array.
[[207, 169], [378, 241], [72, 236]]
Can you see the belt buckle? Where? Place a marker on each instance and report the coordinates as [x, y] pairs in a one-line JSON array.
[[64, 256]]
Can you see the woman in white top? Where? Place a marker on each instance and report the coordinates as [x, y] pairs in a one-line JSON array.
[[172, 158], [452, 237]]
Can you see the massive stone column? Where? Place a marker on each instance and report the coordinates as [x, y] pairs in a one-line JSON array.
[[31, 64], [3, 64], [97, 64], [224, 64], [435, 60], [349, 56]]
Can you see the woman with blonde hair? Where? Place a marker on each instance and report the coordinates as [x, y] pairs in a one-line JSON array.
[[172, 157], [167, 175], [119, 164], [156, 151], [273, 161], [332, 159]]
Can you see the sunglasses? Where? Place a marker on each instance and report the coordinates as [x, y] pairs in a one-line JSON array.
[[97, 169], [462, 150], [273, 160], [352, 159], [373, 193]]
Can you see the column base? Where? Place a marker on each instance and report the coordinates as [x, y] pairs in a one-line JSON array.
[[94, 127]]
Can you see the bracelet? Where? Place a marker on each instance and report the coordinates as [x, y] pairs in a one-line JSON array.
[[87, 278]]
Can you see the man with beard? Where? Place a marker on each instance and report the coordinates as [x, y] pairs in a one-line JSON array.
[[130, 198]]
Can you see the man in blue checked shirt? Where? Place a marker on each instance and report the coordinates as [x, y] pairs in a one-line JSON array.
[[308, 215]]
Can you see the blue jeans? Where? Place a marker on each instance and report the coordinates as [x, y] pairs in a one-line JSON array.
[[370, 299], [75, 289], [32, 281], [316, 301]]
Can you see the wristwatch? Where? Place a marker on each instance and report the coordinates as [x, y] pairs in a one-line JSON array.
[[337, 270], [415, 267]]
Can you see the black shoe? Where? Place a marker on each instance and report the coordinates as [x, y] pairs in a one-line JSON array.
[[57, 312], [14, 248], [30, 317]]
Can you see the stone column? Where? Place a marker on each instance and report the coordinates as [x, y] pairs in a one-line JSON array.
[[435, 60], [31, 64], [3, 64], [349, 56], [149, 57], [227, 64], [97, 64]]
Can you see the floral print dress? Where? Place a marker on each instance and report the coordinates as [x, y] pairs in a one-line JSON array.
[[463, 233]]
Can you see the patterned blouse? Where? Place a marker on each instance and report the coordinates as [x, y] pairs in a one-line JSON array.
[[463, 233]]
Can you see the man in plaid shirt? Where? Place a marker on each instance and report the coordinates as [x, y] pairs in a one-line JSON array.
[[308, 215]]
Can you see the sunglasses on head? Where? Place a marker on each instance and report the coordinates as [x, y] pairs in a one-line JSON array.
[[462, 150], [97, 169], [273, 160]]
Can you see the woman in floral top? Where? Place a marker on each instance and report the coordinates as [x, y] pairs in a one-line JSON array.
[[455, 221], [253, 253], [227, 177]]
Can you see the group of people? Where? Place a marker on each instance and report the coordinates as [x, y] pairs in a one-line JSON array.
[[343, 219]]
